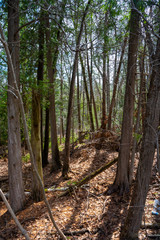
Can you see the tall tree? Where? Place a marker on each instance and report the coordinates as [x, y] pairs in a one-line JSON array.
[[36, 126], [70, 102], [56, 164], [150, 136], [115, 84], [121, 182], [16, 188], [89, 103], [36, 146]]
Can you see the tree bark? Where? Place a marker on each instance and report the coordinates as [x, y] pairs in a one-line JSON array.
[[78, 105], [70, 102], [134, 216], [16, 188], [36, 146], [46, 139], [121, 182], [56, 164]]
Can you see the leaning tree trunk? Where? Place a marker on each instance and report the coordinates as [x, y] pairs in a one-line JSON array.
[[70, 103], [150, 136], [16, 189], [121, 182]]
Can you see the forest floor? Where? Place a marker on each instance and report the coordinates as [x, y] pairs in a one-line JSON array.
[[87, 213]]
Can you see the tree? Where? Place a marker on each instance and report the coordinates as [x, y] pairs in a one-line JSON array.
[[115, 84], [16, 188], [121, 182], [56, 164], [150, 136], [36, 126], [36, 146], [70, 102]]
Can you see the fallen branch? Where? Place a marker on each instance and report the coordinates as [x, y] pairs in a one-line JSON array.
[[24, 232], [89, 177]]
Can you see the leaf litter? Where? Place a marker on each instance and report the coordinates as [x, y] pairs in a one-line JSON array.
[[86, 213]]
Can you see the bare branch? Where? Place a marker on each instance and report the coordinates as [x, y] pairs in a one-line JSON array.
[[145, 19], [24, 232]]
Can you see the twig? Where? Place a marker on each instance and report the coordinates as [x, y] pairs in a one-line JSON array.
[[24, 232]]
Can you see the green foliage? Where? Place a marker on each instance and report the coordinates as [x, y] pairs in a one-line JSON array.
[[137, 136], [26, 158]]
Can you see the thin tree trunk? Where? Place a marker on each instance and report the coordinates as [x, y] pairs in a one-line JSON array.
[[61, 99], [92, 99], [71, 94], [16, 188], [78, 105], [87, 96], [115, 84], [108, 85], [104, 76], [46, 139]]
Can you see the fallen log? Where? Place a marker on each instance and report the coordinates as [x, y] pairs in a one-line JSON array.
[[88, 178]]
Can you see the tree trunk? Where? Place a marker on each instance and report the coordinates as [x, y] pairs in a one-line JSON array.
[[16, 188], [115, 84], [92, 99], [134, 216], [46, 139], [104, 76], [78, 105], [70, 103], [40, 69], [87, 96], [137, 124], [36, 128], [56, 164], [36, 146], [121, 182]]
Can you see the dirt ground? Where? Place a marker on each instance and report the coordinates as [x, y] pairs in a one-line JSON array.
[[86, 213]]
